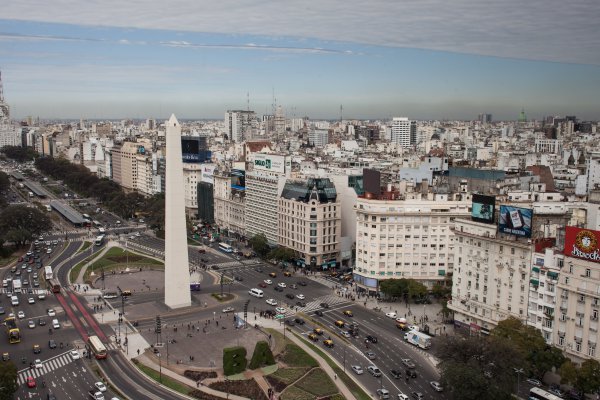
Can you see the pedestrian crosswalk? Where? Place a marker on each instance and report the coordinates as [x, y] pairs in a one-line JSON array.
[[331, 299], [26, 291], [230, 265], [47, 367]]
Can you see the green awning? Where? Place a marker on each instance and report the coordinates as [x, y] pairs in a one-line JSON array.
[[536, 269], [441, 272], [552, 274], [535, 282]]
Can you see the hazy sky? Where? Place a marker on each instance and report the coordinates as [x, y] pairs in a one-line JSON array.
[[422, 59]]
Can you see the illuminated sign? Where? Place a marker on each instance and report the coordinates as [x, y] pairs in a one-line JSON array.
[[582, 243], [515, 221], [483, 208]]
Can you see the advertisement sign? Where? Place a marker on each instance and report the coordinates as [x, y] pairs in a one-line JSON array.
[[238, 179], [582, 243], [206, 173], [483, 208], [190, 149], [515, 221], [269, 162]]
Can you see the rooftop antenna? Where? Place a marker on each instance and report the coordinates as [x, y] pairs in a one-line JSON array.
[[1, 89], [341, 113], [247, 101]]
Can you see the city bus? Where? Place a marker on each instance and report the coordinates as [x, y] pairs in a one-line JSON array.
[[97, 224], [14, 335], [48, 272], [99, 240], [97, 347], [537, 393], [225, 247], [86, 216], [54, 285]]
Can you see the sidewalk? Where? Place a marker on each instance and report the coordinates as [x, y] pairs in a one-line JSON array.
[[270, 323]]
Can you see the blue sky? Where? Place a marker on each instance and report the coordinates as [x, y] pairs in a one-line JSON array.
[[424, 60]]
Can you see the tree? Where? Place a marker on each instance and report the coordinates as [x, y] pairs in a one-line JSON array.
[[416, 289], [8, 380], [18, 153], [478, 367], [588, 377], [20, 224], [4, 182], [393, 287], [568, 372], [445, 312], [441, 290], [282, 254], [259, 244]]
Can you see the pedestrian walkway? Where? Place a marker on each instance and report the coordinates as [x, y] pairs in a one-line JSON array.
[[47, 367], [232, 265], [331, 299], [268, 323]]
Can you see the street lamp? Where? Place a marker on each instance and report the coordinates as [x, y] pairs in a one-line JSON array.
[[159, 367], [518, 371], [423, 322]]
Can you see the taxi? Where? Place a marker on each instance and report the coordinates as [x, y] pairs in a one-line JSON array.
[[288, 274], [328, 343], [37, 349], [348, 313], [273, 275], [313, 337], [5, 356], [339, 323], [318, 331]]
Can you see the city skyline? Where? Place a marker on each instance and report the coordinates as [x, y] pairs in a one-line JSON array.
[[438, 61]]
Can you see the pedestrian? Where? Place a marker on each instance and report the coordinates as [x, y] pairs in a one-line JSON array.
[[335, 376], [138, 351]]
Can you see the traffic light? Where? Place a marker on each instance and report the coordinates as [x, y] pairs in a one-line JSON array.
[[158, 324]]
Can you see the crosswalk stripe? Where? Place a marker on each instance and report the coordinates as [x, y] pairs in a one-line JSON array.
[[47, 367]]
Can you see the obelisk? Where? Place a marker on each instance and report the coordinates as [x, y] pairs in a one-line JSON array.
[[177, 274]]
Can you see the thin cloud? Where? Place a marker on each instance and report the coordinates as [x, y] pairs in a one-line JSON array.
[[548, 30]]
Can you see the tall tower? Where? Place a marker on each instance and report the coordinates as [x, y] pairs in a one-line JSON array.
[[177, 273], [4, 109]]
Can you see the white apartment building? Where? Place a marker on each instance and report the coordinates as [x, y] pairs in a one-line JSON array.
[[238, 124], [404, 132], [491, 276], [405, 239], [262, 198], [10, 135], [310, 222], [543, 293], [192, 174], [229, 206], [318, 137]]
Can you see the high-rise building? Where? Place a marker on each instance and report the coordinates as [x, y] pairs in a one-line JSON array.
[[124, 165], [404, 132], [238, 124], [318, 137], [262, 196], [485, 118], [229, 203], [10, 135], [310, 222]]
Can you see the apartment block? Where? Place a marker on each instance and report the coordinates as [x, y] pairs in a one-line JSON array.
[[229, 205]]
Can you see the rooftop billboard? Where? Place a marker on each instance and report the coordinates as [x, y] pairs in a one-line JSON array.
[[269, 162], [238, 179], [483, 208], [515, 221], [582, 243]]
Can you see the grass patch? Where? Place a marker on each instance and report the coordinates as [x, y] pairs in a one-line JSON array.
[[167, 381], [289, 375], [350, 383], [117, 257], [318, 383], [294, 356], [74, 272], [4, 261], [86, 245], [294, 393], [225, 297]]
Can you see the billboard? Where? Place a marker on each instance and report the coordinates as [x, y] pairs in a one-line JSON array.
[[269, 162], [515, 221], [483, 208], [206, 173], [190, 149], [372, 181], [238, 179], [582, 243]]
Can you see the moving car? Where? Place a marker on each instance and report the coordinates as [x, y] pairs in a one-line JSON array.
[[74, 354], [300, 296], [372, 339], [357, 369], [328, 343], [534, 382], [52, 344], [299, 321], [271, 302], [373, 370], [302, 283], [21, 314], [383, 393], [100, 386], [51, 312], [280, 310], [31, 300], [402, 396], [278, 289], [301, 304], [289, 296], [396, 374], [319, 313], [30, 382], [324, 305], [268, 281], [262, 285], [31, 324], [281, 284], [228, 309], [391, 315], [348, 313], [436, 386], [313, 337], [370, 355], [408, 362], [38, 363], [287, 273], [417, 395], [318, 331], [411, 373]]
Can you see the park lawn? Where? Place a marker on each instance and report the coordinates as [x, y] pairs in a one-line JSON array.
[[318, 383], [289, 375], [294, 393], [294, 356], [168, 382]]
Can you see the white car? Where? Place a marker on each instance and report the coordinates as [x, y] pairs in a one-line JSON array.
[[300, 296], [74, 354], [436, 386], [41, 296], [402, 396], [280, 310], [21, 314], [391, 315], [31, 300], [138, 234], [31, 324], [345, 334], [48, 250], [38, 363], [282, 284], [271, 302], [268, 281], [358, 369], [51, 312], [100, 386]]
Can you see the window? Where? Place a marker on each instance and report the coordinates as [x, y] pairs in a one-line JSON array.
[[588, 272], [561, 341], [577, 346]]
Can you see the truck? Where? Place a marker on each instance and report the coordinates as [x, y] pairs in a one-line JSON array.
[[96, 394], [17, 286], [418, 339], [30, 194]]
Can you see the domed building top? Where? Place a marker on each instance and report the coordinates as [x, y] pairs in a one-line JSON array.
[[435, 136], [581, 160]]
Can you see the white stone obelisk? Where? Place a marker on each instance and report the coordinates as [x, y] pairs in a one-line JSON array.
[[177, 274]]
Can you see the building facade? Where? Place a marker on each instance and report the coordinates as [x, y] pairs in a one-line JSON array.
[[404, 132], [310, 222], [405, 239], [229, 205], [238, 124], [262, 199]]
